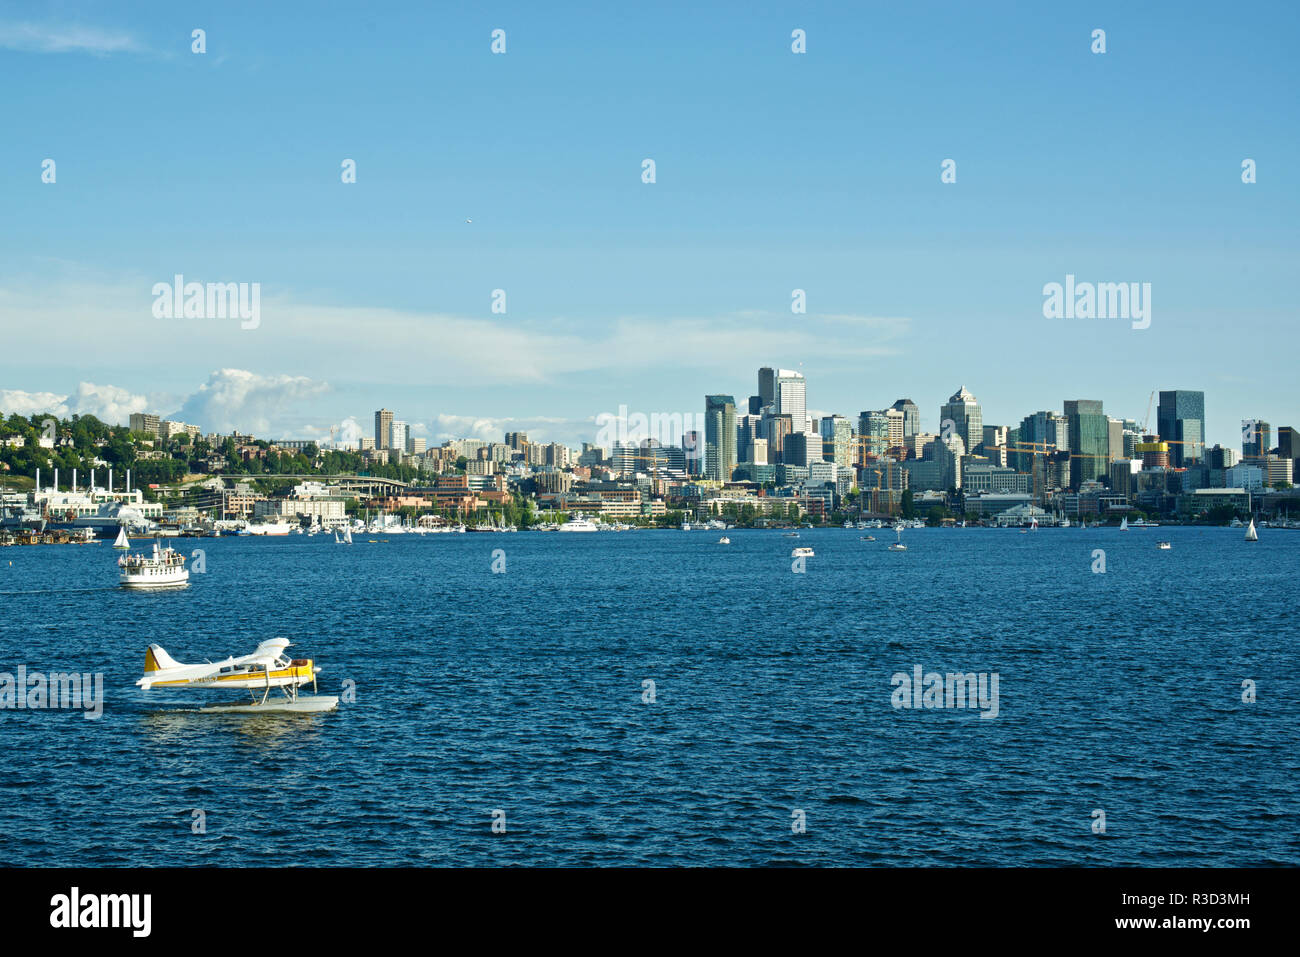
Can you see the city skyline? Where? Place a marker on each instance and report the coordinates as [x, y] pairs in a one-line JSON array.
[[116, 410]]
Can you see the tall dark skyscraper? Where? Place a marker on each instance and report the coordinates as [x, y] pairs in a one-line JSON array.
[[1180, 420], [719, 437], [1288, 444], [1256, 438], [1089, 440], [766, 387]]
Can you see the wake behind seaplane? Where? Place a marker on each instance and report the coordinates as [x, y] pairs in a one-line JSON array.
[[266, 668]]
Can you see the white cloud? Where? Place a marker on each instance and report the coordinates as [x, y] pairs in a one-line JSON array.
[[17, 402], [239, 400], [65, 38], [344, 435], [488, 352], [349, 433], [494, 428], [107, 403], [467, 427]]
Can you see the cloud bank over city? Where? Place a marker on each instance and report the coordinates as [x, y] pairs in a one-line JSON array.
[[276, 406], [442, 359], [106, 402]]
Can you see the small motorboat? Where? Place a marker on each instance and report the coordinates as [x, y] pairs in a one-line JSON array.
[[724, 540], [802, 552], [1164, 545], [866, 538]]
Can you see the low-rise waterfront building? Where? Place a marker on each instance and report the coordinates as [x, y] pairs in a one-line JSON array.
[[1205, 500]]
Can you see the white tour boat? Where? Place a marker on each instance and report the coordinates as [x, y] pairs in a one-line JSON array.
[[270, 528], [165, 568]]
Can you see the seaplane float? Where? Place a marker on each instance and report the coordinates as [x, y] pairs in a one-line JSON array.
[[267, 668]]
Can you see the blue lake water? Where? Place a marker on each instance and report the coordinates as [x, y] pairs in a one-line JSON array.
[[523, 692]]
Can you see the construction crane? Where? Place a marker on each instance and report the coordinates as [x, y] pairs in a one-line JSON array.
[[1147, 418], [1040, 448]]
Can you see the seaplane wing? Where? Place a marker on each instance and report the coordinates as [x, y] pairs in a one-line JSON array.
[[266, 667]]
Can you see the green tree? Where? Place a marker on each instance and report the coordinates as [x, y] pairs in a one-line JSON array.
[[909, 504]]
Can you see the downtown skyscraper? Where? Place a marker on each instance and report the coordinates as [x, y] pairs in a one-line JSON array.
[[383, 428], [1089, 435], [963, 410], [784, 392], [1180, 420], [719, 437], [1256, 438], [911, 418]]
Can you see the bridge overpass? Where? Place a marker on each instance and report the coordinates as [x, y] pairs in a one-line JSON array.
[[370, 485]]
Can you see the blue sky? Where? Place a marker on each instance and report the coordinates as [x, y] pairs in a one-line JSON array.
[[775, 171]]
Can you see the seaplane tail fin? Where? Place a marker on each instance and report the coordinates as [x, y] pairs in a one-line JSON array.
[[155, 659]]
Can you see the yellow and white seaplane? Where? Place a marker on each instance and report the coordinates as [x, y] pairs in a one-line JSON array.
[[266, 668]]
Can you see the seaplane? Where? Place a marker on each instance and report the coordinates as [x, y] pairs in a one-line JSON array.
[[267, 668]]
